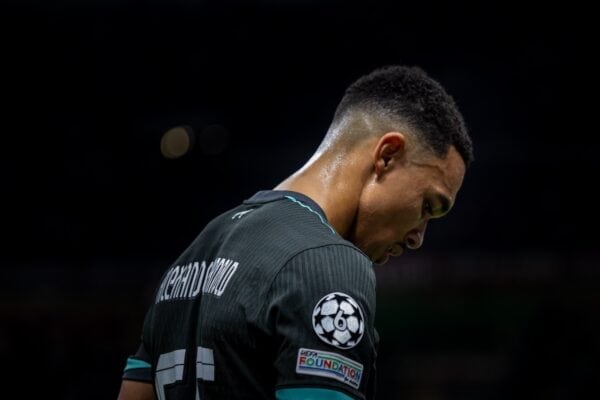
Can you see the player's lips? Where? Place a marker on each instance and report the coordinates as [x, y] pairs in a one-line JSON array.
[[393, 250], [396, 249]]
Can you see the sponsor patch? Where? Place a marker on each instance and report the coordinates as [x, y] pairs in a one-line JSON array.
[[329, 365]]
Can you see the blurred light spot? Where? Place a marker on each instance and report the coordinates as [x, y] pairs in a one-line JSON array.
[[213, 139], [176, 142]]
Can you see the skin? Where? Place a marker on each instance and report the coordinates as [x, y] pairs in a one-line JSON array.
[[132, 390], [382, 192], [379, 193]]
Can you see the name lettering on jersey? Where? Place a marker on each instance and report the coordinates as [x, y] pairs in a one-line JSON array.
[[189, 280], [329, 365]]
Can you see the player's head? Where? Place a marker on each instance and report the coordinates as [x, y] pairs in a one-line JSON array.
[[415, 138]]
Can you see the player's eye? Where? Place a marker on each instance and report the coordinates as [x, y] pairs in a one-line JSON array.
[[427, 208]]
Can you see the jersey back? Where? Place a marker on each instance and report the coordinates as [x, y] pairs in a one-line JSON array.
[[267, 299]]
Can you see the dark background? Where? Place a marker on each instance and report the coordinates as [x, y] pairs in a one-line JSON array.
[[500, 303]]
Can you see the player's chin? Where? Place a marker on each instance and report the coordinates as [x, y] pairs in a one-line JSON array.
[[382, 259], [378, 254]]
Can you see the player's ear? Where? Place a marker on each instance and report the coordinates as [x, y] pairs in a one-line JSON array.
[[390, 148]]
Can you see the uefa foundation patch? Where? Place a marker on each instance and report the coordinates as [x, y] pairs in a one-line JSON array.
[[329, 365]]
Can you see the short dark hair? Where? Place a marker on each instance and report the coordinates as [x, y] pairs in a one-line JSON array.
[[409, 95]]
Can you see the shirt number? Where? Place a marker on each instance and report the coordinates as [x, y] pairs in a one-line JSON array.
[[170, 366]]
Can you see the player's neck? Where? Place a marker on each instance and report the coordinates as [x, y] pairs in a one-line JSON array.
[[334, 184]]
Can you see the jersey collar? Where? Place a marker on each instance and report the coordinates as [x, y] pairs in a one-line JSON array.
[[267, 196]]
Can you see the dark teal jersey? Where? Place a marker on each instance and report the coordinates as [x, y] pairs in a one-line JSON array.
[[267, 302]]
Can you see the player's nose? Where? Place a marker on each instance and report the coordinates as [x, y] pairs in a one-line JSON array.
[[414, 239]]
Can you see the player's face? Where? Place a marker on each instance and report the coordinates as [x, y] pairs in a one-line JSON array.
[[395, 208]]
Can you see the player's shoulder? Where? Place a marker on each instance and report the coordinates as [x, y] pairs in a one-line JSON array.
[[279, 229], [289, 222], [342, 256], [331, 267]]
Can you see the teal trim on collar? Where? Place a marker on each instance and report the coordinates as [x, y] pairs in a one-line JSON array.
[[133, 363], [312, 211], [310, 394]]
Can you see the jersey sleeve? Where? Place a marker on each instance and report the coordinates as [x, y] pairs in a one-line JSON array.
[[138, 367], [321, 308]]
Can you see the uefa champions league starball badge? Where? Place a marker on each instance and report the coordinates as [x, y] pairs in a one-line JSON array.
[[338, 320]]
